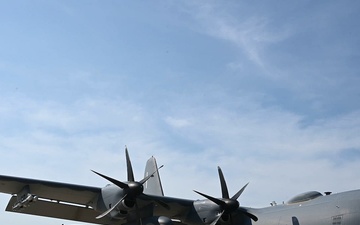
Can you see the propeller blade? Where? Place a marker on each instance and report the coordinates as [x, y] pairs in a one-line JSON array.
[[215, 200], [129, 167], [111, 209], [112, 180], [252, 216], [224, 189], [236, 196], [149, 176]]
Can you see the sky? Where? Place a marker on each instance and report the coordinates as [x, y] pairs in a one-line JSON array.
[[267, 90]]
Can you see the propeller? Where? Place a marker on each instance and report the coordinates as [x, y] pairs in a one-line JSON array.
[[228, 205], [132, 188]]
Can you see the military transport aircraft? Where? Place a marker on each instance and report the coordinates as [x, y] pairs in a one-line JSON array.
[[143, 202]]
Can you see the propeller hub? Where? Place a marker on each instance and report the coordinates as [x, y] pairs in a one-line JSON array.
[[231, 205], [135, 188]]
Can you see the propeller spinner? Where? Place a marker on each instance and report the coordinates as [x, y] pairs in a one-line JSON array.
[[228, 205]]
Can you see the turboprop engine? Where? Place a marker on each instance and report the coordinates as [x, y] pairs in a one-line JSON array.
[[211, 210], [119, 198], [112, 196]]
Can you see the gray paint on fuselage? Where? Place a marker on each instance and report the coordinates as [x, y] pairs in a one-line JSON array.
[[335, 209]]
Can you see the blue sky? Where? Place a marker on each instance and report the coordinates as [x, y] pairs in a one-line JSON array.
[[268, 91]]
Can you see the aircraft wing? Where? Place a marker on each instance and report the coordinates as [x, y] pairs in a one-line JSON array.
[[74, 202], [71, 193], [85, 203], [61, 211], [58, 200]]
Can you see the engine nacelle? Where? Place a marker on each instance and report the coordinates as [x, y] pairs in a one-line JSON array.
[[157, 220], [127, 204], [110, 195], [122, 209], [206, 210]]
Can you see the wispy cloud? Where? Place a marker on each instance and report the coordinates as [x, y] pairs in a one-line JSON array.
[[177, 122], [291, 60], [251, 34]]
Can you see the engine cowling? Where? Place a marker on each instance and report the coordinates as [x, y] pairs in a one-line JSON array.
[[110, 195], [128, 204], [206, 210], [157, 220]]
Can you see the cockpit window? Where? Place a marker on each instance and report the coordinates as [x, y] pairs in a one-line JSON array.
[[304, 197]]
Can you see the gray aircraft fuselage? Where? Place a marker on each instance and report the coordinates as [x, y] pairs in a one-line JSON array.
[[334, 209]]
